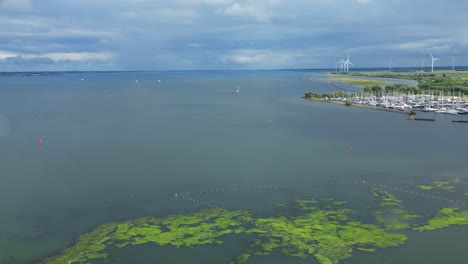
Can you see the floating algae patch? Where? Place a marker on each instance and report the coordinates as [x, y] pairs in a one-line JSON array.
[[233, 246], [200, 228], [327, 235], [448, 185], [425, 187], [322, 229], [390, 211], [445, 218]]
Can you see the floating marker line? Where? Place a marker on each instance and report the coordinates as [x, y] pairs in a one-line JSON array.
[[420, 194], [189, 195], [200, 202]]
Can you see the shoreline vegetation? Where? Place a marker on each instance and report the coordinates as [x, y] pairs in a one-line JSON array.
[[440, 92], [445, 83], [356, 81]]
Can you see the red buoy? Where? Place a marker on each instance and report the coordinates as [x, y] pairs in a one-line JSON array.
[[350, 149], [40, 142]]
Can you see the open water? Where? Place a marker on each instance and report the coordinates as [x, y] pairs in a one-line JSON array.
[[119, 145]]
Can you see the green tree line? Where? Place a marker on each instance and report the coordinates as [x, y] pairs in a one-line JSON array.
[[439, 83]]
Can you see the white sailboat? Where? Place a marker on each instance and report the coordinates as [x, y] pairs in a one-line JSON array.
[[452, 111], [237, 91]]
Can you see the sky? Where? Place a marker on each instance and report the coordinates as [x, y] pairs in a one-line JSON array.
[[43, 35]]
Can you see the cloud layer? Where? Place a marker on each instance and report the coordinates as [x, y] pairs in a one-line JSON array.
[[227, 34]]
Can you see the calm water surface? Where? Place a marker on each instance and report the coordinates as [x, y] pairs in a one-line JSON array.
[[115, 148]]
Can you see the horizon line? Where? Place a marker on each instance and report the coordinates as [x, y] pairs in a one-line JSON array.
[[464, 68]]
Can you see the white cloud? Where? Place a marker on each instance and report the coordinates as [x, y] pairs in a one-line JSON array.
[[164, 15], [245, 33], [257, 10], [79, 56], [62, 56], [6, 54], [422, 45], [362, 1], [262, 58], [79, 32], [194, 45], [24, 22], [16, 4], [205, 2]]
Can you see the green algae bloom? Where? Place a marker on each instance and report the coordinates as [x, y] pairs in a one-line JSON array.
[[445, 218], [200, 228], [425, 187], [321, 228], [329, 235], [386, 199], [448, 185], [391, 213]]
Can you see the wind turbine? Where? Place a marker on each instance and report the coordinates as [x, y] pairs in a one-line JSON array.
[[422, 65], [342, 65], [433, 59], [390, 66], [453, 63], [347, 63]]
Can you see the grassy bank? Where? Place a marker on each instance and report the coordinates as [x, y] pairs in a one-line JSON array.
[[356, 81], [447, 83]]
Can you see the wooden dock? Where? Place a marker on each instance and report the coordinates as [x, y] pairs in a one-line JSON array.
[[425, 119]]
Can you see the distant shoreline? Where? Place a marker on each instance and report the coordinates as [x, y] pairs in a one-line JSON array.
[[14, 74]]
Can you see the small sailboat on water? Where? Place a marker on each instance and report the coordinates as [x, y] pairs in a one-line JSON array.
[[237, 91]]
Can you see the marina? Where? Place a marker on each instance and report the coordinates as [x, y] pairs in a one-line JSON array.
[[404, 102], [397, 101]]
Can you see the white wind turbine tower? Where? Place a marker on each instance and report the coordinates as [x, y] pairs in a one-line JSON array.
[[422, 65], [453, 63], [342, 65], [347, 63], [433, 59]]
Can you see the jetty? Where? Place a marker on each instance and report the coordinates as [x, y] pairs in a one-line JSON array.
[[425, 119]]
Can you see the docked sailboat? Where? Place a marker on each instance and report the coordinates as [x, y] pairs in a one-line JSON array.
[[451, 111], [429, 109]]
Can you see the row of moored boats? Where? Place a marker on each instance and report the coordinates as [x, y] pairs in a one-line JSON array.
[[403, 102]]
